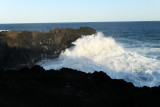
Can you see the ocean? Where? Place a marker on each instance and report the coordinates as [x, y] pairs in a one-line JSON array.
[[123, 50]]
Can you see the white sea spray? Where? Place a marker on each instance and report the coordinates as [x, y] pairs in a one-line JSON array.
[[98, 53]]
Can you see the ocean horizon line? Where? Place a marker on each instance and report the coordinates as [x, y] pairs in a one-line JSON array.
[[81, 22]]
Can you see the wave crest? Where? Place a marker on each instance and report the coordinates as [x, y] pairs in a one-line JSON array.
[[98, 53]]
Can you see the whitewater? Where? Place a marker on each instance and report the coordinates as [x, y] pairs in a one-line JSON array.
[[99, 53], [3, 30]]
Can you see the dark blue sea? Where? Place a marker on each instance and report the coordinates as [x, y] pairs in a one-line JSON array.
[[124, 50]]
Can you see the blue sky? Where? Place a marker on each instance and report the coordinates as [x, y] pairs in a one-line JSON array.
[[37, 11]]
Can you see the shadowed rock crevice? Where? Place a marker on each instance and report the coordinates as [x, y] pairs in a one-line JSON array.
[[25, 48]]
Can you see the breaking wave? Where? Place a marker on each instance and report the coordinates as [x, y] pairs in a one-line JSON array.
[[98, 53], [3, 30]]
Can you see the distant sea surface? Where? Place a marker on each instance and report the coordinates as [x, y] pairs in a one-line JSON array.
[[124, 50]]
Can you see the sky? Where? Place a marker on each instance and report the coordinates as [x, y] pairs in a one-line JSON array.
[[47, 11]]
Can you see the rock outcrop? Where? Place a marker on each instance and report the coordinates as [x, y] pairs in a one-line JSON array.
[[25, 48], [36, 87]]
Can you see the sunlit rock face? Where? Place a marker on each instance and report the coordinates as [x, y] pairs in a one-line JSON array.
[[25, 48]]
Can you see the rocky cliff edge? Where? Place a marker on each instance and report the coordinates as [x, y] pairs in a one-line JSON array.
[[24, 48]]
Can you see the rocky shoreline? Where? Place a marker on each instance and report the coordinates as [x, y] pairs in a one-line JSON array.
[[24, 48], [25, 85], [36, 87]]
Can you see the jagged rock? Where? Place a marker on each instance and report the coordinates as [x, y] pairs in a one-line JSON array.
[[36, 87], [25, 48]]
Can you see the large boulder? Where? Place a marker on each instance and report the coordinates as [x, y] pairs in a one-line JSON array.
[[25, 48]]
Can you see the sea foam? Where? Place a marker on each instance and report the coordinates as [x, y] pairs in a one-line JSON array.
[[98, 53], [3, 30]]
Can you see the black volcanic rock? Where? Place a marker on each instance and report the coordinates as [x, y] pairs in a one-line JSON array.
[[36, 87], [24, 48]]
